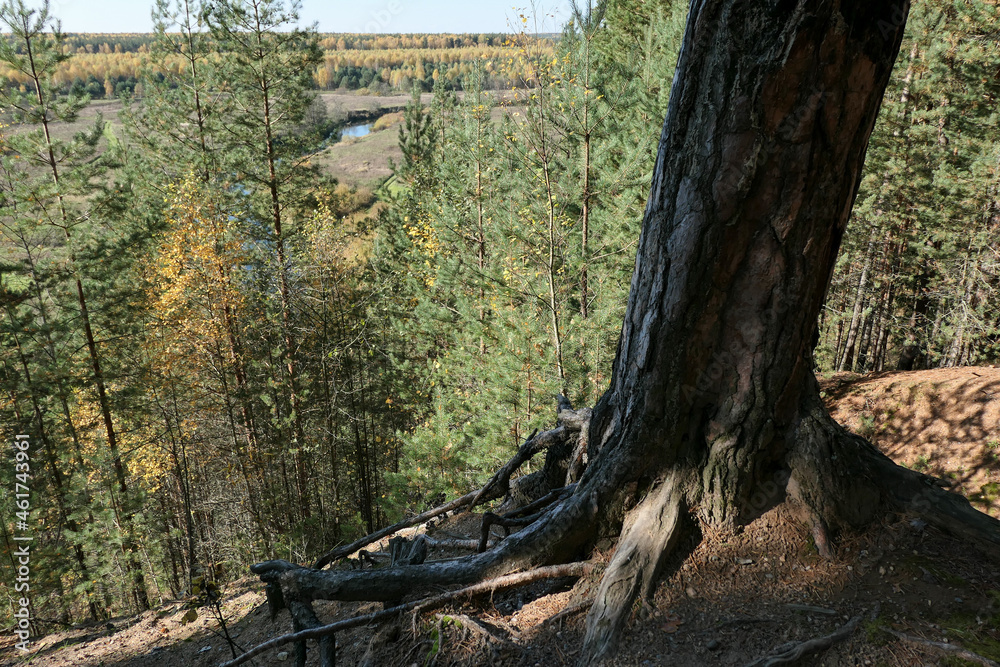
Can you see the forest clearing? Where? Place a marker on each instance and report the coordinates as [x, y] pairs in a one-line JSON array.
[[671, 338]]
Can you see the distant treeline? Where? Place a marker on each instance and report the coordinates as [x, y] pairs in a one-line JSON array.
[[106, 65], [142, 42]]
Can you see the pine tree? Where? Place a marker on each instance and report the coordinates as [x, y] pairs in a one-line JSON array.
[[913, 284], [507, 229], [176, 126], [59, 175], [417, 139], [267, 69]]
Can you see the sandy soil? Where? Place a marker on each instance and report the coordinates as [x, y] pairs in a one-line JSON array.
[[727, 600], [943, 422]]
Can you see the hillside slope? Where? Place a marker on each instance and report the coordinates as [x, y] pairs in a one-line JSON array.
[[944, 422], [729, 600]]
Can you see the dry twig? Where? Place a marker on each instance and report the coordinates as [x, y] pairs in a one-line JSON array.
[[797, 651], [944, 647], [507, 581]]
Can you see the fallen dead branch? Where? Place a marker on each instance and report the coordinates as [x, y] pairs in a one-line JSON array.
[[495, 488], [796, 652], [453, 543], [809, 609], [577, 569], [423, 517], [944, 647]]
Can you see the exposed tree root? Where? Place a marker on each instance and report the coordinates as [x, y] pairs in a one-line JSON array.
[[523, 516], [841, 479], [490, 519], [408, 552], [650, 535], [810, 609], [844, 481], [500, 481], [577, 569], [544, 501], [453, 543], [554, 538], [477, 628], [945, 647], [569, 611], [561, 442], [304, 618], [793, 654]]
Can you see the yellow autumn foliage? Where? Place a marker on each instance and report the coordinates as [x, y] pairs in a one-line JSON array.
[[194, 292]]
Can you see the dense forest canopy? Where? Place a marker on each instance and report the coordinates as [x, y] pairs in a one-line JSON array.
[[223, 356], [113, 65]]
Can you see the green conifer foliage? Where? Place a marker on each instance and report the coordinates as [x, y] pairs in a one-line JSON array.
[[58, 199], [511, 250], [176, 124], [916, 280], [266, 71]]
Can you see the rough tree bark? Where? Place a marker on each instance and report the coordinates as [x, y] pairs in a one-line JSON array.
[[713, 407]]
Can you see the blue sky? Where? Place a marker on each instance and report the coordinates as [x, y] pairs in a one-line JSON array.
[[336, 15]]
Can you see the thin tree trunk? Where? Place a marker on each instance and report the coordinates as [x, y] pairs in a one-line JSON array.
[[134, 568], [847, 360], [52, 460], [289, 353], [587, 187]]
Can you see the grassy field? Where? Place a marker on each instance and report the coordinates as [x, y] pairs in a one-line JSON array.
[[108, 109], [362, 162], [339, 103], [358, 162]]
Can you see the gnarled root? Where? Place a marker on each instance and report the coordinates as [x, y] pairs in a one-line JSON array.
[[843, 481], [522, 516], [649, 535], [840, 479], [570, 432], [789, 655]]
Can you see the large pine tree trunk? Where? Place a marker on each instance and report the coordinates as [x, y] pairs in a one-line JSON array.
[[713, 405], [713, 388], [758, 167]]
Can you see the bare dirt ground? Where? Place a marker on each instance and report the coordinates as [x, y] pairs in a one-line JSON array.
[[943, 422], [922, 598]]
